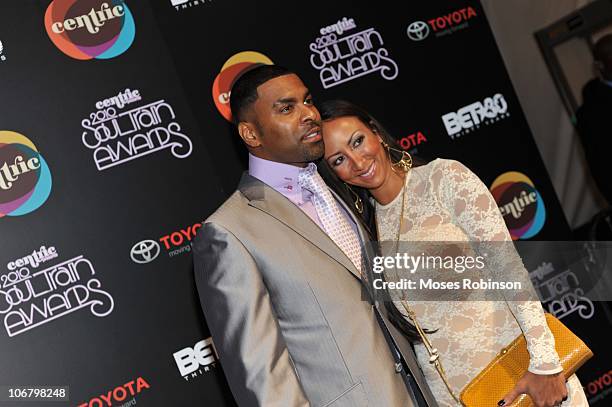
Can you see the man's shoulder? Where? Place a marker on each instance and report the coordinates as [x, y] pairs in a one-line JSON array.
[[229, 210], [223, 219]]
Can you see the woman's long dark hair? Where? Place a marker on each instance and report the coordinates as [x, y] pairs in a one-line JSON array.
[[334, 109]]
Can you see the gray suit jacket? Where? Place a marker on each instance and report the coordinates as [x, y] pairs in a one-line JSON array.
[[284, 306]]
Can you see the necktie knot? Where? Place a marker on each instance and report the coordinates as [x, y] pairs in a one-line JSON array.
[[309, 178]]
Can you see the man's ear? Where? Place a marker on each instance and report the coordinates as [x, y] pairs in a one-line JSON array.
[[249, 134]]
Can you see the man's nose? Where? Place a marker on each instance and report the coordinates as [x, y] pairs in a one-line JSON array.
[[309, 113]]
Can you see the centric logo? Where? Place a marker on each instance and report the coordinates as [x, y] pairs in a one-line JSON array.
[[2, 57], [87, 29], [520, 204], [145, 251], [418, 31], [25, 179], [232, 69]]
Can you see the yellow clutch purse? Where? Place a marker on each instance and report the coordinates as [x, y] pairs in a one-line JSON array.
[[501, 375]]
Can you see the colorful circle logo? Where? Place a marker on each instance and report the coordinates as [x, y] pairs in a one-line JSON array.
[[520, 204], [25, 179], [231, 70], [87, 29]]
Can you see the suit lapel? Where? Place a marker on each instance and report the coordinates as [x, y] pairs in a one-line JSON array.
[[268, 200]]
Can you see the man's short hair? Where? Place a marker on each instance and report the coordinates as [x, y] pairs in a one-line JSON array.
[[244, 90]]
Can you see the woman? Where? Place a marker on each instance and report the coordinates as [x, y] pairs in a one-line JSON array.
[[444, 201]]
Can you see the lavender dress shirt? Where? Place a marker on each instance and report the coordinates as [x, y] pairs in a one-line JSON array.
[[283, 178]]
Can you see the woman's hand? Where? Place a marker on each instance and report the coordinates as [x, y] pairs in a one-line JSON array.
[[544, 390]]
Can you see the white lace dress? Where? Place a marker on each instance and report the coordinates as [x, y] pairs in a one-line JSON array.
[[445, 201]]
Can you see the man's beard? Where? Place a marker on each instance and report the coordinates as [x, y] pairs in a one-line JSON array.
[[312, 152]]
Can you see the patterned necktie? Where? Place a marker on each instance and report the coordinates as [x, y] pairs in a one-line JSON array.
[[334, 221]]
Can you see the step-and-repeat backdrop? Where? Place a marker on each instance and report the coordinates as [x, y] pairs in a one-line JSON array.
[[115, 144]]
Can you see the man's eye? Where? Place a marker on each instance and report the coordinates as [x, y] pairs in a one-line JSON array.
[[285, 109], [358, 141], [308, 101], [338, 161]]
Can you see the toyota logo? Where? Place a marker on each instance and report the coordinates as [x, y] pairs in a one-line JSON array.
[[145, 251], [417, 31]]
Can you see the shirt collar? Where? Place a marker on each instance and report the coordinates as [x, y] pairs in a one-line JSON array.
[[280, 176]]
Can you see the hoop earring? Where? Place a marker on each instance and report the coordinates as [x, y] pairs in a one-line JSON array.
[[358, 202], [404, 164]]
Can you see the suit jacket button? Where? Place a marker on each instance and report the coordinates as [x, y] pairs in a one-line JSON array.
[[398, 367]]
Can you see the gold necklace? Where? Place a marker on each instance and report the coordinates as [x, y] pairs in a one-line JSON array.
[[434, 356]]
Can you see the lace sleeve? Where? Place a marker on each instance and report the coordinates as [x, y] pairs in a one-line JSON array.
[[474, 209]]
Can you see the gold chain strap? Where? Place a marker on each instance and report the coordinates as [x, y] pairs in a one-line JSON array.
[[434, 356]]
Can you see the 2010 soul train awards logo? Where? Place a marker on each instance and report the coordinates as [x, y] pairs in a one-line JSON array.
[[30, 297], [520, 204], [230, 71], [341, 55], [87, 29], [117, 136], [25, 179]]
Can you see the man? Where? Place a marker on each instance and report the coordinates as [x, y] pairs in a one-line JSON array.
[[282, 298], [593, 117]]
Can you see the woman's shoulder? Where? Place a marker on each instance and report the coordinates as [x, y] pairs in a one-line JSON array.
[[439, 164], [441, 172]]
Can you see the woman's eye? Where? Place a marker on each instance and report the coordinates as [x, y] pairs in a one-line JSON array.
[[358, 141], [338, 161]]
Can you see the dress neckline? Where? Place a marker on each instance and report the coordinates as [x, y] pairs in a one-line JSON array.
[[399, 194]]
